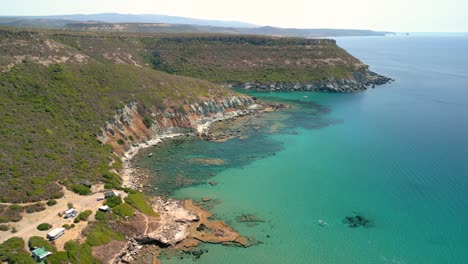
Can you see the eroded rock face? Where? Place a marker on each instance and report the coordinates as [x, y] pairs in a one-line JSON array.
[[129, 121], [175, 221]]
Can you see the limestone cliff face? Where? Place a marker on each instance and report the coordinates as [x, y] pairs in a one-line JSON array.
[[130, 125]]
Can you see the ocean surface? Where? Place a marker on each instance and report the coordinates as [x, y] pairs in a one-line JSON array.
[[396, 155]]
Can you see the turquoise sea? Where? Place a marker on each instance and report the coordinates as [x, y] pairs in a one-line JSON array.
[[396, 154]]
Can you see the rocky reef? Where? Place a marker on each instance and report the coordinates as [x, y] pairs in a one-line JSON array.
[[360, 80], [181, 226]]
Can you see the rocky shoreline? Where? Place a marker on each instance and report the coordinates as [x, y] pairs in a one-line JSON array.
[[138, 178], [181, 225], [361, 80]]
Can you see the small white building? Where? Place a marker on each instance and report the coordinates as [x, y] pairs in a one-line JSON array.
[[104, 208], [72, 212], [56, 233]]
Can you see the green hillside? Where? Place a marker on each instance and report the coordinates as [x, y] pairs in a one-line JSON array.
[[50, 116], [58, 88]]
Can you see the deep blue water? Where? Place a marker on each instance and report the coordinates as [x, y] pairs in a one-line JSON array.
[[396, 154]]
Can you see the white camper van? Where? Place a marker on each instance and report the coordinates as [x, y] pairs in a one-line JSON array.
[[56, 233]]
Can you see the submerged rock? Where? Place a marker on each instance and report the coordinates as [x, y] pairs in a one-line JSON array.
[[358, 221]]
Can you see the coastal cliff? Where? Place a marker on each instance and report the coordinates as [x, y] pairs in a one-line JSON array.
[[131, 126], [360, 80]]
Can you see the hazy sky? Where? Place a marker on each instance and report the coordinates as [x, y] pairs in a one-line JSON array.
[[391, 15]]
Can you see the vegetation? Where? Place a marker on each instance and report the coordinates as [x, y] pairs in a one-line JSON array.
[[99, 234], [37, 241], [83, 216], [52, 115], [10, 213], [44, 226], [4, 227], [13, 251], [140, 202], [241, 59], [37, 207], [113, 201], [68, 227], [51, 202], [52, 109], [123, 210], [79, 253], [81, 189]]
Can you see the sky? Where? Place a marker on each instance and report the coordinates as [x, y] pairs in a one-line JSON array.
[[385, 15]]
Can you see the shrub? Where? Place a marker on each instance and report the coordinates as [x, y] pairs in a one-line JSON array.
[[13, 251], [37, 241], [70, 205], [84, 215], [81, 189], [51, 202], [4, 227], [121, 141], [113, 201], [35, 208], [148, 121], [123, 210], [67, 226], [78, 254], [59, 257], [139, 201], [57, 195], [43, 226], [15, 207], [100, 234]]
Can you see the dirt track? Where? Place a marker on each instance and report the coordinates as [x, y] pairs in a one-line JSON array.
[[27, 227]]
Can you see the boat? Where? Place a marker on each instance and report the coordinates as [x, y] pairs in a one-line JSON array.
[[150, 155], [322, 223], [305, 96]]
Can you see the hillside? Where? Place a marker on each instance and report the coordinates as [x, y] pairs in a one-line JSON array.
[[69, 100], [130, 18], [55, 101], [192, 28], [170, 24]]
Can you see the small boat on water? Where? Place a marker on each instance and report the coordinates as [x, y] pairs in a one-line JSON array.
[[322, 223], [150, 155], [305, 96]]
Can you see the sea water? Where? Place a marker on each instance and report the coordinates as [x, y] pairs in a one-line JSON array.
[[396, 155]]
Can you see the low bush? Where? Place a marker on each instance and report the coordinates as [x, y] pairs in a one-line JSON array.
[[43, 226], [84, 215], [13, 251], [37, 241], [100, 234], [4, 227], [81, 189], [51, 202], [35, 208], [15, 207], [123, 210], [68, 227], [78, 254], [113, 201], [140, 202]]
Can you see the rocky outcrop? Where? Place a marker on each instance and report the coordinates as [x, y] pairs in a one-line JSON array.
[[133, 124], [361, 80]]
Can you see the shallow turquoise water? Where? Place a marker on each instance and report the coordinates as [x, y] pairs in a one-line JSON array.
[[396, 154]]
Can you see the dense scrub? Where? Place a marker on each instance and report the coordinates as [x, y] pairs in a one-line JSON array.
[[51, 115], [240, 59]]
